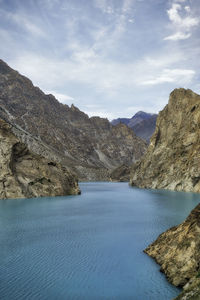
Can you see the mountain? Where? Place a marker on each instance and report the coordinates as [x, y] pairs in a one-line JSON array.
[[177, 251], [145, 128], [172, 160], [90, 147], [26, 174], [120, 120], [142, 123]]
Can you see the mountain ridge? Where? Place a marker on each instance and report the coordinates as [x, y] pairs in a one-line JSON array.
[[90, 147]]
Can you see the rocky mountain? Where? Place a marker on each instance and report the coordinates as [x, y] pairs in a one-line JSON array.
[[142, 123], [26, 174], [177, 252], [146, 128], [91, 147], [172, 160]]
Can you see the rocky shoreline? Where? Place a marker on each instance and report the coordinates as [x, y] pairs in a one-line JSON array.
[[177, 251]]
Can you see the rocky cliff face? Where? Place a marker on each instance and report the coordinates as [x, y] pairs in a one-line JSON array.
[[172, 160], [177, 251], [142, 123], [25, 174], [121, 173], [91, 147]]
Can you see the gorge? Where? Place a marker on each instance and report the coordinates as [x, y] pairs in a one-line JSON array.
[[46, 147]]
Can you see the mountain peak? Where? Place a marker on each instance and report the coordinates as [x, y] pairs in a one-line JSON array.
[[142, 123]]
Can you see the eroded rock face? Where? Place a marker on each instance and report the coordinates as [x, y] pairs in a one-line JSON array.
[[177, 252], [172, 160], [91, 147], [122, 173], [25, 174]]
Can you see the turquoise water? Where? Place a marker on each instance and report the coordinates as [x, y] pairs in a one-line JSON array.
[[88, 246]]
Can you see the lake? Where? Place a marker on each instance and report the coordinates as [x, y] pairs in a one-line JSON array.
[[88, 246]]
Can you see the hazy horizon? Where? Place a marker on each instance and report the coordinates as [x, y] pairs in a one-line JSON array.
[[109, 58]]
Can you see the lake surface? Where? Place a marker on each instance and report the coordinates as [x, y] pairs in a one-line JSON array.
[[88, 246]]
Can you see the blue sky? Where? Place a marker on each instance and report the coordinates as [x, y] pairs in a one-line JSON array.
[[110, 58]]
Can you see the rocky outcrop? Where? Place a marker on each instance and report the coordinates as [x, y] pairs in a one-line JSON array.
[[26, 174], [122, 173], [191, 291], [90, 147], [172, 160], [177, 252], [142, 123]]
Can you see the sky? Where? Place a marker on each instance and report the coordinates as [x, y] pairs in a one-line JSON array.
[[110, 58]]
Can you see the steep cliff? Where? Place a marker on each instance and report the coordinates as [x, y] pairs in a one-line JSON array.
[[172, 160], [177, 251], [26, 174], [91, 147]]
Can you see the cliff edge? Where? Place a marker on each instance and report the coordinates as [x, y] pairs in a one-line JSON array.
[[177, 252], [172, 160]]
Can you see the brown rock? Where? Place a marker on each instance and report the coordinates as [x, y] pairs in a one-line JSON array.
[[172, 160], [122, 173], [26, 174], [177, 252]]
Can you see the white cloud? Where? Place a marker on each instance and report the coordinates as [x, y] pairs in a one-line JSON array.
[[127, 5], [182, 76], [63, 98], [25, 22], [178, 36], [85, 60], [182, 25], [100, 113], [105, 6], [107, 80], [187, 8]]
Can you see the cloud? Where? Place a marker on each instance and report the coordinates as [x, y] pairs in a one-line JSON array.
[[187, 8], [171, 75], [100, 113], [63, 98], [25, 22], [91, 53], [178, 36], [105, 6], [182, 25]]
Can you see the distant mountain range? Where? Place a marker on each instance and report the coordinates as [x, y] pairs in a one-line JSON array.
[[142, 123]]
